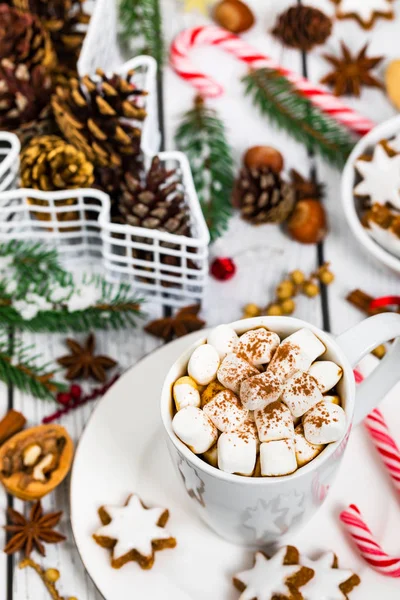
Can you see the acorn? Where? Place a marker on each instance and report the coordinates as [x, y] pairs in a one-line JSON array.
[[263, 156], [234, 15], [308, 224]]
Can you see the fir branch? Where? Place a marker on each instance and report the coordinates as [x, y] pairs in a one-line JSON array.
[[21, 369], [276, 98], [142, 19], [202, 137]]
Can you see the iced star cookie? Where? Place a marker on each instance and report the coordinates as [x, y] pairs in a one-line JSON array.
[[328, 580], [275, 578], [380, 175], [366, 12], [133, 532]]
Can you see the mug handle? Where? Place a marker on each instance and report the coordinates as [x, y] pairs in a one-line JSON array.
[[359, 341]]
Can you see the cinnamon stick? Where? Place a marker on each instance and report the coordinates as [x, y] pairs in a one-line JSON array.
[[12, 423], [362, 301]]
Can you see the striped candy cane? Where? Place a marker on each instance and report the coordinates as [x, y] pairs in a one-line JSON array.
[[367, 545], [385, 445], [212, 35]]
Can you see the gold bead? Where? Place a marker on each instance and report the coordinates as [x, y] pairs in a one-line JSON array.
[[310, 289], [251, 310], [52, 575], [297, 277], [285, 290], [325, 276], [379, 351], [274, 310], [288, 306], [72, 598]]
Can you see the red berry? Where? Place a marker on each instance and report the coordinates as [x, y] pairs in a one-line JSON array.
[[76, 391], [223, 268], [63, 398]]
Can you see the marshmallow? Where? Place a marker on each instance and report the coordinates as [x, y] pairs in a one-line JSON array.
[[203, 364], [224, 339], [194, 429], [274, 422], [211, 456], [305, 451], [226, 411], [333, 399], [326, 373], [300, 393], [277, 458], [237, 452], [233, 370], [324, 423], [210, 391], [250, 428], [257, 346], [296, 353], [260, 390], [186, 393]]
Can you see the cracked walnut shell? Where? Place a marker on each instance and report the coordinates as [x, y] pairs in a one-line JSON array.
[[35, 461]]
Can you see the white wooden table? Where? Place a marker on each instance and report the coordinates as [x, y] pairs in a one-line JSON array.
[[263, 255]]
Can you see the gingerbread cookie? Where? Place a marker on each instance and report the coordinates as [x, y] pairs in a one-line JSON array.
[[278, 577], [328, 580], [365, 12], [133, 532], [380, 178]]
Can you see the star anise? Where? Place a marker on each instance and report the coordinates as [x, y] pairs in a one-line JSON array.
[[185, 321], [351, 73], [29, 533], [306, 188], [82, 362]]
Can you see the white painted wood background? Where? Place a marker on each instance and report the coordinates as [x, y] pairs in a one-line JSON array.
[[263, 255]]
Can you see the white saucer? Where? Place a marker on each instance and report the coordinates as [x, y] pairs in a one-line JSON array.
[[122, 450]]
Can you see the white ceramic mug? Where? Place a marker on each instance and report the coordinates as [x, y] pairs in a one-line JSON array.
[[259, 511]]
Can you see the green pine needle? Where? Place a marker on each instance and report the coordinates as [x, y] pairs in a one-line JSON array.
[[20, 368], [276, 98], [202, 137], [141, 22]]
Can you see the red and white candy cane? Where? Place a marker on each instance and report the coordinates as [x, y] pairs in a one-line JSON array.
[[385, 445], [212, 35], [367, 545]]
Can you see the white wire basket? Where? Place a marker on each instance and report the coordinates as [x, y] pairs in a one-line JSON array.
[[9, 160], [172, 269]]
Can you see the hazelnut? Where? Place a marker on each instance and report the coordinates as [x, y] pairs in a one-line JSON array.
[[288, 306], [234, 15], [310, 289], [31, 455], [274, 310], [263, 156], [297, 277], [52, 575], [307, 223], [285, 290], [251, 310], [379, 351]]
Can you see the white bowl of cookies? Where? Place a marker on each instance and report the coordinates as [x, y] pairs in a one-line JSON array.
[[371, 192]]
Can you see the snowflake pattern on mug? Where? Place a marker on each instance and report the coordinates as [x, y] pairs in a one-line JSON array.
[[292, 504], [193, 483], [274, 518]]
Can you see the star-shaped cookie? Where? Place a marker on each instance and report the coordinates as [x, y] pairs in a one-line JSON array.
[[380, 178], [133, 532], [328, 582], [277, 577], [366, 12]]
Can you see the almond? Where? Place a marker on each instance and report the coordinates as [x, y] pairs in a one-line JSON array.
[[263, 156], [308, 224], [234, 15]]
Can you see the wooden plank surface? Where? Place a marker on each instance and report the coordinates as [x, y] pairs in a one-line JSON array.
[[263, 255]]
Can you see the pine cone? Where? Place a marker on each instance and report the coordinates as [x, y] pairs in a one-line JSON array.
[[302, 27], [23, 39], [262, 196], [158, 203], [49, 163], [93, 115], [44, 124], [65, 21], [24, 92]]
